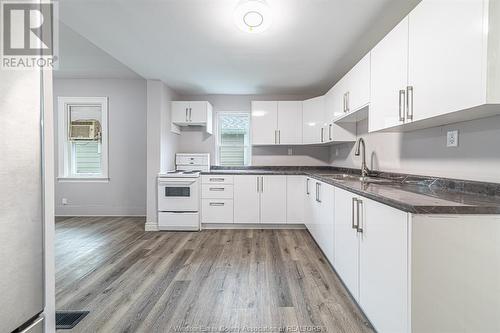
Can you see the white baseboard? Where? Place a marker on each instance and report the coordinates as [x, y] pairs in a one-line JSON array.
[[250, 226], [151, 226], [100, 215]]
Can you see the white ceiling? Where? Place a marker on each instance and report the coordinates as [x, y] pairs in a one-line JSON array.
[[79, 58], [195, 48]]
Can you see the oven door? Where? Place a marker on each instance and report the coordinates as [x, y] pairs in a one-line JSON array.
[[178, 195]]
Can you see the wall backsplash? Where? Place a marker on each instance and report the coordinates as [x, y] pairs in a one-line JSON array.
[[424, 152], [420, 152]]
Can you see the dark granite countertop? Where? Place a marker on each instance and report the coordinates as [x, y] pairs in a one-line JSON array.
[[409, 193]]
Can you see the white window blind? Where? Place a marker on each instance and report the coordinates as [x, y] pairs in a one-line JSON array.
[[233, 141]]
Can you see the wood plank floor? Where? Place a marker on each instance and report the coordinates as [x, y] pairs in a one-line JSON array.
[[136, 281]]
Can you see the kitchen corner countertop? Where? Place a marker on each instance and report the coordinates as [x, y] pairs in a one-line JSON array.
[[409, 193]]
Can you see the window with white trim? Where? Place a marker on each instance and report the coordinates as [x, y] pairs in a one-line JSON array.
[[83, 138], [233, 139]]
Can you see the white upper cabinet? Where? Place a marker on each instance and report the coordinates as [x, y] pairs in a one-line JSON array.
[[313, 120], [192, 113], [180, 112], [264, 122], [357, 86], [438, 66], [389, 79], [446, 57], [289, 122], [276, 122]]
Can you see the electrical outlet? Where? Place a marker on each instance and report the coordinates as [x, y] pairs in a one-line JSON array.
[[290, 151], [64, 201], [452, 139]]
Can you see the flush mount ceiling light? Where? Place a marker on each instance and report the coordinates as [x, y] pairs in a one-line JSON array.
[[253, 16]]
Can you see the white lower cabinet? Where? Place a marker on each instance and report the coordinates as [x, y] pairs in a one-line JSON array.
[[259, 199], [319, 215], [371, 257], [346, 241], [247, 199], [295, 199], [217, 211], [383, 266], [273, 199]]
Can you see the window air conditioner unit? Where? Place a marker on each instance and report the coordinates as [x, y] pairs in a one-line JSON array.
[[85, 130]]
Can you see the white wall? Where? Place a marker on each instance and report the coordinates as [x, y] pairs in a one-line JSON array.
[[424, 152], [125, 193], [195, 140], [162, 144]]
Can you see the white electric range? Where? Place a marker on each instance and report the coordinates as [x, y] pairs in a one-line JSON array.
[[179, 193]]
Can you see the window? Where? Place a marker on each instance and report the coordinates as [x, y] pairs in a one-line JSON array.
[[233, 139], [83, 138]]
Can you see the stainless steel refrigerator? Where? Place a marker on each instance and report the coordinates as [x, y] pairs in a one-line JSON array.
[[21, 202]]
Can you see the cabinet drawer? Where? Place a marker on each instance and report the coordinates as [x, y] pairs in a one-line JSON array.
[[178, 221], [217, 179], [216, 211], [217, 191]]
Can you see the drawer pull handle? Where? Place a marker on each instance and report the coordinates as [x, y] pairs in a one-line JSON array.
[[216, 188], [216, 179], [218, 204]]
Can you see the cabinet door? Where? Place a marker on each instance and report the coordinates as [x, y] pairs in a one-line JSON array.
[[198, 112], [383, 284], [346, 241], [325, 221], [358, 85], [295, 199], [313, 119], [389, 75], [180, 112], [309, 202], [289, 122], [246, 199], [273, 199], [446, 56], [264, 122]]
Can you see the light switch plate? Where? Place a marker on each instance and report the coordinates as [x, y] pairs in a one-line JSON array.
[[452, 139]]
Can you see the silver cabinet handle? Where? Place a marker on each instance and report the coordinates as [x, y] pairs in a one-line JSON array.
[[359, 204], [402, 97], [217, 204], [275, 136], [330, 132], [353, 206], [190, 114], [322, 134], [262, 184], [347, 106], [318, 195], [258, 187], [33, 325], [216, 189], [344, 103], [216, 179], [307, 186], [186, 114], [279, 136], [409, 102]]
